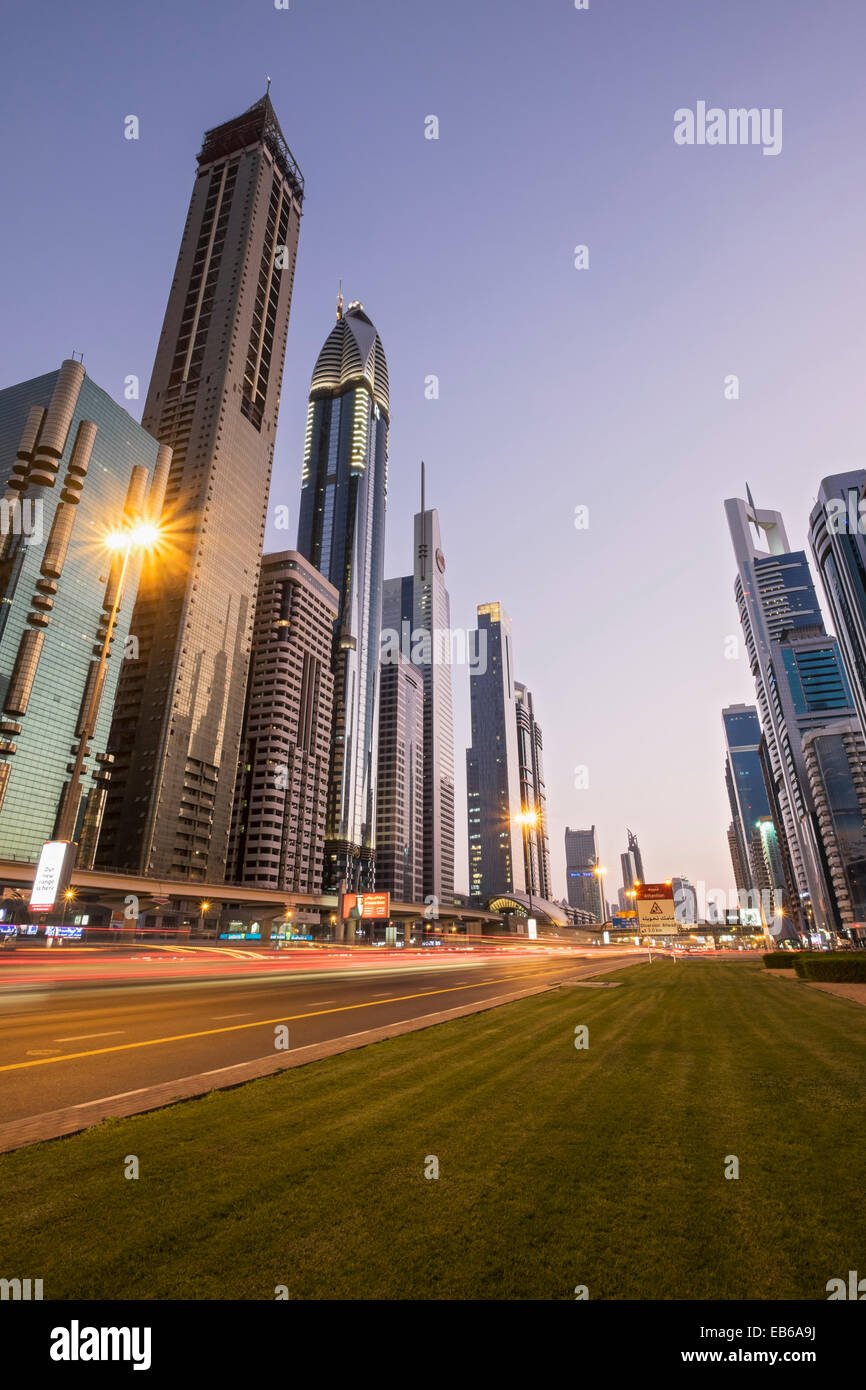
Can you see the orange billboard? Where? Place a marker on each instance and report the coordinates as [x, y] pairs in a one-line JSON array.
[[366, 905]]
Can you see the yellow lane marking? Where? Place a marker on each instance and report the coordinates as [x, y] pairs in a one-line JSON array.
[[265, 1022]]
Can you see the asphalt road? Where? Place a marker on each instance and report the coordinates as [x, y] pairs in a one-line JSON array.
[[65, 1046]]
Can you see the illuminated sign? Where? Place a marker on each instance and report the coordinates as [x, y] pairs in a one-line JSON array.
[[366, 905], [52, 874], [532, 929]]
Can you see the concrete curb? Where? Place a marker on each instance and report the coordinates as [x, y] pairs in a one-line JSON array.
[[57, 1124]]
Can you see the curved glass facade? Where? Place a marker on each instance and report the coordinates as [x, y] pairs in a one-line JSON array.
[[341, 531]]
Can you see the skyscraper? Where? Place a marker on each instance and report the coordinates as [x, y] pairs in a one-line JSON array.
[[804, 702], [278, 825], [417, 607], [745, 783], [585, 889], [341, 531], [533, 796], [756, 864], [496, 859], [214, 397], [634, 851], [75, 469], [432, 614], [400, 782], [837, 534], [630, 875]]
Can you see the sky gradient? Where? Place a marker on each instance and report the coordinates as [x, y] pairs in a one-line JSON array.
[[559, 387]]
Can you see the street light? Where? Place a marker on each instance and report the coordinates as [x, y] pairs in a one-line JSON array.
[[529, 821], [598, 871], [202, 909], [140, 537]]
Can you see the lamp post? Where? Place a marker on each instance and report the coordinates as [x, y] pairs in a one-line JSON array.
[[140, 537], [599, 871], [529, 821]]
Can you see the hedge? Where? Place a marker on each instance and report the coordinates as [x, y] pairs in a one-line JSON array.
[[786, 960], [780, 960], [837, 966]]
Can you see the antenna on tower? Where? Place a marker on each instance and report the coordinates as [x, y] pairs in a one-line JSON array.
[[752, 511], [422, 549], [268, 92], [340, 302]]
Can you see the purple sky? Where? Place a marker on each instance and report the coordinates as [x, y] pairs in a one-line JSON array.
[[559, 387]]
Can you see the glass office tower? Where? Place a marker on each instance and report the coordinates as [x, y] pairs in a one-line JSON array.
[[74, 468], [803, 695], [533, 795], [496, 852], [837, 534], [341, 531], [753, 835]]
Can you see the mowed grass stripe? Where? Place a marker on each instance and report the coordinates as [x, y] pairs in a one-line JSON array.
[[557, 1167]]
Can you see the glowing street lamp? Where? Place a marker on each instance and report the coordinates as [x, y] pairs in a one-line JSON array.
[[599, 871], [142, 536], [529, 821], [67, 899]]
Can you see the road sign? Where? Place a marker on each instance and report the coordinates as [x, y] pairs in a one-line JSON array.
[[655, 908]]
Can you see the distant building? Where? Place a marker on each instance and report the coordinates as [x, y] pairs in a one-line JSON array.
[[584, 886], [278, 825], [685, 900], [418, 608], [400, 783], [74, 468], [630, 875], [634, 851]]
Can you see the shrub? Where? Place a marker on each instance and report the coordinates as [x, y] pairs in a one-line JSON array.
[[836, 966], [781, 960]]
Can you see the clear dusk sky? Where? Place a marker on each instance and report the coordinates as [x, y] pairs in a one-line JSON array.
[[559, 388]]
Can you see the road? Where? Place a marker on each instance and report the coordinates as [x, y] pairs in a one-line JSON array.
[[106, 1025]]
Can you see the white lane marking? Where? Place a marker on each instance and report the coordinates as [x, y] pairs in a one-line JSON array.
[[80, 1037], [215, 1017]]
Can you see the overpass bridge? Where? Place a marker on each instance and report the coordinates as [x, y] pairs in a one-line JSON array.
[[171, 906]]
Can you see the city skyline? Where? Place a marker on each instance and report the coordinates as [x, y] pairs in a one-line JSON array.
[[752, 324]]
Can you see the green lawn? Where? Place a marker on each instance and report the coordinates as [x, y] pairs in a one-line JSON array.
[[558, 1167]]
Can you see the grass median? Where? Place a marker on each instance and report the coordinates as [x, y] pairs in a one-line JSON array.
[[558, 1167]]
